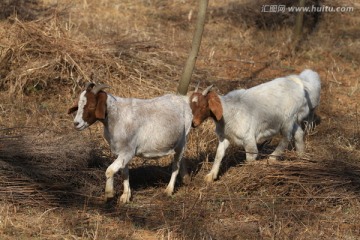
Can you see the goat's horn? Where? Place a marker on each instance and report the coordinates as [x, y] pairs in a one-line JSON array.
[[89, 85], [207, 90], [197, 87], [98, 88]]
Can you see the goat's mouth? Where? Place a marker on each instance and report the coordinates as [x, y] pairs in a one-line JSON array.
[[81, 127], [194, 125]]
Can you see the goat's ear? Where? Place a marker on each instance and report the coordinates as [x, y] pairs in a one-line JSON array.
[[215, 105], [72, 109], [100, 110]]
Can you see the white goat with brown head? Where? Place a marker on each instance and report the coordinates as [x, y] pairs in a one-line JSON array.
[[251, 116], [136, 127]]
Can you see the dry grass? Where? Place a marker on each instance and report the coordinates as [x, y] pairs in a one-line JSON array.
[[52, 178]]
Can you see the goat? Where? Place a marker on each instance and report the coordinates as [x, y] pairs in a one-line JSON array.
[[148, 128], [312, 86], [251, 116]]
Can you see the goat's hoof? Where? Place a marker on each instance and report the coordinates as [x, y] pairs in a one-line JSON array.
[[209, 178], [108, 196], [250, 161], [108, 202], [186, 179], [168, 192], [272, 160], [124, 198]]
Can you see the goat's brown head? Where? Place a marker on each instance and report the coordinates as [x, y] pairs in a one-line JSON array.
[[90, 107], [204, 105]]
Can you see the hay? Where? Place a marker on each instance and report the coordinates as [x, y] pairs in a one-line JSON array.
[[44, 60], [50, 171], [40, 166], [43, 56]]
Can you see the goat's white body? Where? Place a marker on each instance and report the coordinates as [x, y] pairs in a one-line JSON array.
[[256, 114], [261, 111], [148, 128]]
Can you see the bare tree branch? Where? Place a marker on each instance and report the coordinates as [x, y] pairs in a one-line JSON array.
[[299, 25], [190, 63]]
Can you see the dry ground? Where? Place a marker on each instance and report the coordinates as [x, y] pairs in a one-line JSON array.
[[52, 178]]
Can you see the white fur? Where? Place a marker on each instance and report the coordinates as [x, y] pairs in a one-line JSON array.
[[195, 99], [312, 85], [251, 116], [297, 80], [80, 124], [148, 128]]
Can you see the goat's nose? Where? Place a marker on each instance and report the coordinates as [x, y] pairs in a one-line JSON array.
[[76, 123]]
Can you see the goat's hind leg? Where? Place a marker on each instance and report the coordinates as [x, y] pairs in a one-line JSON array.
[[175, 170], [125, 197], [299, 140], [251, 150], [185, 177], [284, 142]]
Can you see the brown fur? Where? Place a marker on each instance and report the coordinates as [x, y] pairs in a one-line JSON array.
[[95, 108], [73, 109], [206, 106], [100, 112], [215, 105], [90, 107]]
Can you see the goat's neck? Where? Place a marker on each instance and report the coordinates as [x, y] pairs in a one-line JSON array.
[[229, 108], [110, 110], [109, 121], [220, 123]]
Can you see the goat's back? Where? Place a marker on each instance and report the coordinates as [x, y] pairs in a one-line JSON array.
[[281, 96], [154, 126]]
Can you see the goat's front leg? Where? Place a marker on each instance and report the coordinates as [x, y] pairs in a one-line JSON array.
[[220, 152], [120, 163]]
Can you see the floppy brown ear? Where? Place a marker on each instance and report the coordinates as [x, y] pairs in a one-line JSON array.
[[215, 105], [100, 110], [72, 109]]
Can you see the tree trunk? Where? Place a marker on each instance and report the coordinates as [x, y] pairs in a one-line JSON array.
[[190, 63], [299, 25]]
